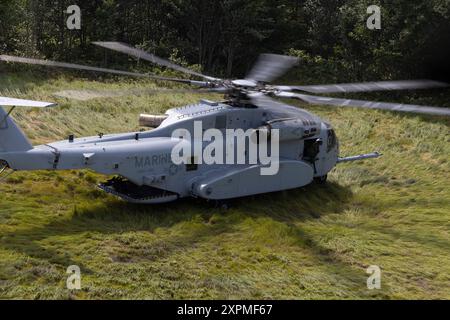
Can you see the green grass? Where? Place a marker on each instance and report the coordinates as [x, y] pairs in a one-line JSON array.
[[314, 242]]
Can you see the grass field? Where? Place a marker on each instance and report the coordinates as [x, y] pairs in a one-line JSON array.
[[312, 243]]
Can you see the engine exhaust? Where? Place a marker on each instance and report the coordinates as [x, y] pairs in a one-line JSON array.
[[152, 121]]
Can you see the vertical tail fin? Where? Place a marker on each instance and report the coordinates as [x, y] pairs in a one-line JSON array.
[[11, 137]]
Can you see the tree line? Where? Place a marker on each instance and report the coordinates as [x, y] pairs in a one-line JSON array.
[[224, 37]]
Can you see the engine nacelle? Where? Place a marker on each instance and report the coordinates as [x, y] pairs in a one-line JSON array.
[[152, 121]]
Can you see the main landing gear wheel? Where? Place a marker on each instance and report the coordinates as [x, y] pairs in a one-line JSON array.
[[321, 180], [221, 204]]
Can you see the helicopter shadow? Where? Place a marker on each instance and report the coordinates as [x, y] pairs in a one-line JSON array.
[[295, 208], [113, 217]]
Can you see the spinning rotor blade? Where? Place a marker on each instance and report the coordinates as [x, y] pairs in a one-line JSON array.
[[278, 109], [366, 104], [367, 86], [85, 95], [65, 65], [270, 67], [141, 54]]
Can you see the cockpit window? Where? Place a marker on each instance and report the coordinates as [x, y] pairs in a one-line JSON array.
[[332, 140]]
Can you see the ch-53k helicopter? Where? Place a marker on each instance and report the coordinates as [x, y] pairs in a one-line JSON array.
[[141, 161]]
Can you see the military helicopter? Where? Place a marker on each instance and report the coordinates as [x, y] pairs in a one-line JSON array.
[[141, 162]]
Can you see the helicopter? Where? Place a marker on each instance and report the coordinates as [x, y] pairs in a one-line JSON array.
[[142, 163]]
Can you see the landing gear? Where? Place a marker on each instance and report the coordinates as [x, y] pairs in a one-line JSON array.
[[5, 170], [133, 193], [321, 179], [221, 204]]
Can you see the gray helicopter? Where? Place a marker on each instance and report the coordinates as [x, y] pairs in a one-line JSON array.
[[143, 165]]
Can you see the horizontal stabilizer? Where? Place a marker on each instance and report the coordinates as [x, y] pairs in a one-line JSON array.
[[5, 102]]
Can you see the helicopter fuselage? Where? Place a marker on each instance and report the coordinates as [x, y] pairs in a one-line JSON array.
[[293, 146], [146, 173]]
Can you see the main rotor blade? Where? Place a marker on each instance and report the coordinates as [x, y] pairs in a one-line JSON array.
[[86, 95], [270, 67], [366, 104], [141, 54], [73, 66], [367, 86], [280, 110]]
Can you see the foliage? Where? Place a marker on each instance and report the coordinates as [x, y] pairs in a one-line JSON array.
[[225, 36], [309, 243]]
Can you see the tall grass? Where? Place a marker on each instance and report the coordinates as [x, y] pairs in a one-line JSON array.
[[309, 243]]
